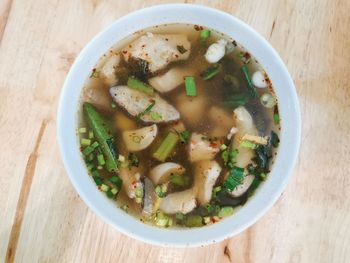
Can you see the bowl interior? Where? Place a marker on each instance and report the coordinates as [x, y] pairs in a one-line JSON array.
[[256, 45]]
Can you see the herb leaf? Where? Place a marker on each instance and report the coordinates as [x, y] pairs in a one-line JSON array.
[[234, 179]]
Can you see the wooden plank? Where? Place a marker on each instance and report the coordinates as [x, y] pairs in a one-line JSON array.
[[42, 219]]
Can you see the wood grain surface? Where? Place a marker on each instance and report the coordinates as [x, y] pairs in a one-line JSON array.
[[42, 218]]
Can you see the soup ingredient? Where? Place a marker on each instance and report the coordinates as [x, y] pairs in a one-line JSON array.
[[135, 102], [251, 87], [211, 72], [162, 219], [103, 136], [201, 148], [162, 172], [225, 211], [131, 181], [268, 100], [171, 79], [206, 174], [216, 51], [137, 84], [204, 35], [149, 197], [234, 178], [243, 186], [123, 122], [166, 147], [222, 121], [180, 181], [192, 109], [179, 202], [137, 140], [193, 221], [108, 70], [158, 49], [259, 79], [255, 139], [190, 86]]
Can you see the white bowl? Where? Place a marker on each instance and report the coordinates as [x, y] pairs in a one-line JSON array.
[[265, 196]]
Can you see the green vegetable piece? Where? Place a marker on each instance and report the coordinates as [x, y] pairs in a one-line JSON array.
[[248, 144], [204, 35], [180, 180], [276, 119], [101, 160], [85, 142], [159, 191], [211, 72], [98, 180], [91, 134], [113, 105], [103, 136], [90, 166], [82, 130], [146, 111], [155, 116], [162, 219], [190, 86], [274, 140], [184, 136], [193, 221], [137, 84], [255, 184], [166, 147], [104, 187], [225, 211], [229, 157], [251, 87], [133, 160], [234, 179], [114, 191], [109, 194], [115, 180]]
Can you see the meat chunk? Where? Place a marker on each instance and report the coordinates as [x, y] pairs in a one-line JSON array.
[[108, 69], [135, 102], [158, 49], [201, 148], [179, 202], [140, 139]]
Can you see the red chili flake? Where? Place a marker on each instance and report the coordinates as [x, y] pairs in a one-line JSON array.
[[197, 27], [166, 39], [176, 55], [94, 69], [247, 55]]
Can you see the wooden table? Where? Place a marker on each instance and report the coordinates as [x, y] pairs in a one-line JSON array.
[[42, 218]]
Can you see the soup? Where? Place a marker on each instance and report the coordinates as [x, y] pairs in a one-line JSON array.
[[179, 125]]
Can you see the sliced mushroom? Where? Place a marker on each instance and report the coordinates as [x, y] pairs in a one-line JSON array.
[[171, 79], [149, 198], [243, 187], [131, 180], [206, 174], [245, 125], [161, 173], [137, 140], [179, 202], [201, 148], [108, 69], [158, 49], [135, 102]]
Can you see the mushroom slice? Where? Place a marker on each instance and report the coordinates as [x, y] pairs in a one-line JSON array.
[[131, 180], [245, 125], [243, 187], [149, 198], [137, 140], [171, 79], [135, 102], [161, 173], [201, 148], [179, 202], [108, 69], [158, 49], [206, 174]]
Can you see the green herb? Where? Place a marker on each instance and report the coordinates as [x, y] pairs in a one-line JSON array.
[[155, 116], [248, 144], [181, 49], [179, 217], [255, 184], [234, 178], [225, 211], [276, 119], [115, 180], [98, 180], [190, 86], [114, 191], [193, 221], [91, 134], [263, 154], [223, 147], [147, 110], [162, 219], [204, 35], [211, 72], [235, 101], [89, 149], [90, 157], [113, 105], [251, 87], [139, 85], [229, 157], [180, 180], [133, 160], [212, 209], [82, 130], [125, 207], [160, 191], [90, 166], [138, 67], [85, 142], [166, 146], [274, 140], [100, 159], [184, 136], [104, 187], [109, 194]]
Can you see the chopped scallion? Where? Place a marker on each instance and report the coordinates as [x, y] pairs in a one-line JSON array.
[[82, 130], [115, 180], [225, 211], [166, 147], [114, 191], [276, 119], [147, 110], [155, 116], [104, 187], [211, 72], [251, 87], [223, 147], [100, 159], [85, 142], [185, 136], [91, 134], [204, 35], [137, 84], [113, 105], [190, 86], [248, 144], [234, 179]]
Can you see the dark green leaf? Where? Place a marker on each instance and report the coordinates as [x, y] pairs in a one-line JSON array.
[[211, 72], [234, 178]]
